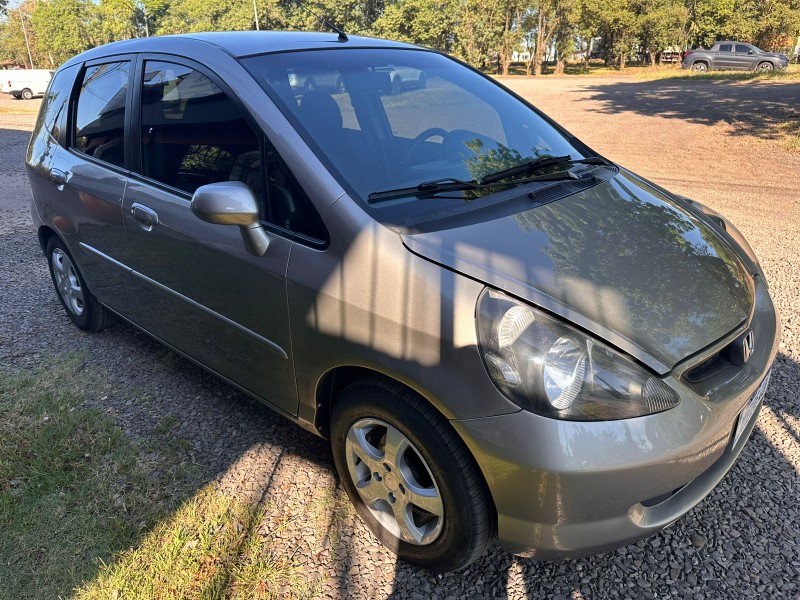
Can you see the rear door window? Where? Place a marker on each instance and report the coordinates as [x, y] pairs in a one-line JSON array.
[[100, 112], [725, 48], [743, 49]]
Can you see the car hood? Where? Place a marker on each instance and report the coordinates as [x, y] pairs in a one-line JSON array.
[[622, 260]]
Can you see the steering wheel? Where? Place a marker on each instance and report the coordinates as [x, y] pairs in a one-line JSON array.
[[428, 133]]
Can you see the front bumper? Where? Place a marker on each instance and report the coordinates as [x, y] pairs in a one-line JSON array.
[[564, 488]]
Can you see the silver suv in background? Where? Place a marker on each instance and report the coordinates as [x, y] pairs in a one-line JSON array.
[[502, 333]]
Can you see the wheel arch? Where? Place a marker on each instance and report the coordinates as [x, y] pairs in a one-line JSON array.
[[336, 379], [44, 234]]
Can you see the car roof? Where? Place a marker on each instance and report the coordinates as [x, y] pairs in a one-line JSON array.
[[237, 43]]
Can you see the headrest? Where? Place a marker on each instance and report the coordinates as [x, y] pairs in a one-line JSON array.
[[319, 111]]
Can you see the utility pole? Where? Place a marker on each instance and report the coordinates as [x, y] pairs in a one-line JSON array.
[[255, 14], [25, 33]]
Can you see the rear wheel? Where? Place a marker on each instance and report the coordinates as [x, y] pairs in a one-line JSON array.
[[410, 477], [82, 308], [27, 94], [764, 67], [700, 67]]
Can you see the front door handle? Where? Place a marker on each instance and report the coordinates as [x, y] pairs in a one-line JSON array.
[[146, 217]]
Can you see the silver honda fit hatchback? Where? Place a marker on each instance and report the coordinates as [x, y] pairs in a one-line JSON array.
[[502, 333]]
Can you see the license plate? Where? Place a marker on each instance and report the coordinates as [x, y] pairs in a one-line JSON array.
[[751, 408]]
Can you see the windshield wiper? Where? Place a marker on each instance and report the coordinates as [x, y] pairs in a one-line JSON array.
[[447, 184], [537, 165]]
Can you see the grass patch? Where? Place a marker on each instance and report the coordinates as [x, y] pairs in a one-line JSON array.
[[73, 489], [20, 107], [210, 548], [792, 73], [791, 134], [85, 510], [650, 73]]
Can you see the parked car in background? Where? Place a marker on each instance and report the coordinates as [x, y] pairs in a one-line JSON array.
[[308, 81], [501, 332], [402, 78], [25, 83], [733, 56]]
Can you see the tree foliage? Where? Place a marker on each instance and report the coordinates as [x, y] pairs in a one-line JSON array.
[[485, 33]]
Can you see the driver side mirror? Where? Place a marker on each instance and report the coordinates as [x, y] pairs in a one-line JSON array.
[[232, 203], [751, 52]]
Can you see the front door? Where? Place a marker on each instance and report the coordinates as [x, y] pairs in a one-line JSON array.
[[196, 287]]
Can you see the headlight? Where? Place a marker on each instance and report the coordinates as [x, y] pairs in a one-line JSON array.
[[547, 367]]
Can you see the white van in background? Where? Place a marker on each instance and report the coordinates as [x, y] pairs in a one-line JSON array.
[[25, 83]]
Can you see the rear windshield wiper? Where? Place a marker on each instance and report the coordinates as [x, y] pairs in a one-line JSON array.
[[537, 165], [425, 188]]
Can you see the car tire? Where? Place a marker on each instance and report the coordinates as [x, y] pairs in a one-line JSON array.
[[765, 67], [27, 94], [17, 96], [81, 306], [427, 464], [699, 67]]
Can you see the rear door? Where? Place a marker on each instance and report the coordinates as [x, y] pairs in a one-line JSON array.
[[87, 179], [724, 57], [196, 287]]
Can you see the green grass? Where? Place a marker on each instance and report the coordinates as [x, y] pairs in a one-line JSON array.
[[791, 135], [86, 511]]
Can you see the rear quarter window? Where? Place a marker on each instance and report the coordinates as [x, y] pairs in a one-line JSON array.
[[52, 113]]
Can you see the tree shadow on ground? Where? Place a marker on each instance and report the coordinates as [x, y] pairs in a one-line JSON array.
[[750, 108]]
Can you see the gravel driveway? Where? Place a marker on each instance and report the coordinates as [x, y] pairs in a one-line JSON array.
[[709, 140]]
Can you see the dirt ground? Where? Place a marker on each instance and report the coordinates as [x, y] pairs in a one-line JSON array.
[[714, 141]]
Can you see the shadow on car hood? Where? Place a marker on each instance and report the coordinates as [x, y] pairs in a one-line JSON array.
[[621, 260]]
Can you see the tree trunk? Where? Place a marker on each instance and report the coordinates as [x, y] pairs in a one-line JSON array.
[[652, 58], [559, 65], [622, 61], [505, 54], [537, 59]]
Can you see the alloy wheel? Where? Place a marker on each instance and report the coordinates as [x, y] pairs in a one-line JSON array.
[[394, 481], [67, 282]]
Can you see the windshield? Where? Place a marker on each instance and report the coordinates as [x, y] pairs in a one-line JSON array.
[[388, 119]]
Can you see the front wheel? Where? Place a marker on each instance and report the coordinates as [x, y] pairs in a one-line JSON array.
[[27, 94], [410, 477], [764, 67], [82, 308]]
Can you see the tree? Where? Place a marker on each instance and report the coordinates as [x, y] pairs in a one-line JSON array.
[[62, 28], [429, 23], [479, 31], [617, 22], [661, 25], [18, 37]]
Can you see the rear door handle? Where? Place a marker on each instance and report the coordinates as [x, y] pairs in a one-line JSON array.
[[59, 176], [146, 217]]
